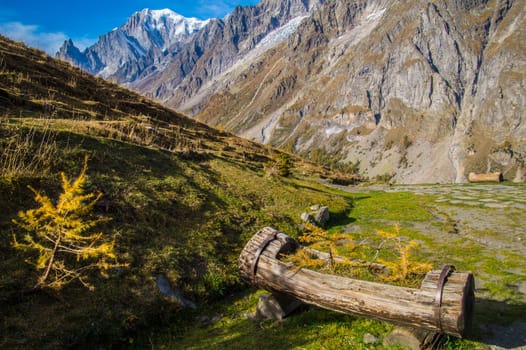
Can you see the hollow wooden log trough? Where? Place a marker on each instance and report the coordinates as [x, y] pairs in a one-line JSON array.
[[443, 304], [486, 177]]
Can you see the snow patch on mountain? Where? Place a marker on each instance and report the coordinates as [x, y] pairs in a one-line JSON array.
[[158, 15], [181, 25], [375, 15], [272, 39], [165, 25], [334, 129], [280, 34]]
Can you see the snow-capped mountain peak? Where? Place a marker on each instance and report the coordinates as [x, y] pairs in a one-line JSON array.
[[159, 19], [164, 27], [158, 14], [144, 32]]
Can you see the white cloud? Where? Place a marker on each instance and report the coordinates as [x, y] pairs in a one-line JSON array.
[[31, 36]]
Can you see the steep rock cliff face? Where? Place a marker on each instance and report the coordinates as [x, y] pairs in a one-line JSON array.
[[220, 45], [423, 91]]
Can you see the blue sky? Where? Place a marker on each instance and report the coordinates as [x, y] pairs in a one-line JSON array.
[[46, 24]]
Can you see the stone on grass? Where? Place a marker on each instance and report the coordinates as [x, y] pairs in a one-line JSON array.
[[306, 217], [369, 338], [175, 295], [276, 306], [412, 338], [322, 215]]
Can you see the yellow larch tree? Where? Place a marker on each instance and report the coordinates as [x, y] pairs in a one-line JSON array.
[[61, 234]]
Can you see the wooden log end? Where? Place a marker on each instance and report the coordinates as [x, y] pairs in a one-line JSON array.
[[457, 301], [269, 241]]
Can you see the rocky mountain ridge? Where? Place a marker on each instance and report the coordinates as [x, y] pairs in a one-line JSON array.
[[220, 45], [411, 91], [130, 48]]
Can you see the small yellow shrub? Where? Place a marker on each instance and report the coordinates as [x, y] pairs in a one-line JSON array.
[[319, 239], [339, 252], [403, 269], [60, 234]]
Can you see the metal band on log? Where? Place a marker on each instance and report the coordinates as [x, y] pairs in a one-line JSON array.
[[444, 302]]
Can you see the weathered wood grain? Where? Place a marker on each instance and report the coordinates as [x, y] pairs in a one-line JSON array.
[[405, 306]]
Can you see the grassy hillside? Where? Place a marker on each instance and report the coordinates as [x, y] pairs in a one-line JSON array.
[[182, 198]]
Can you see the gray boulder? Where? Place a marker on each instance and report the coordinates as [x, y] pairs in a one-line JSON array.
[[322, 215]]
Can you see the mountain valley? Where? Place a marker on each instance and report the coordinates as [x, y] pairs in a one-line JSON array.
[[180, 198], [409, 91]]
